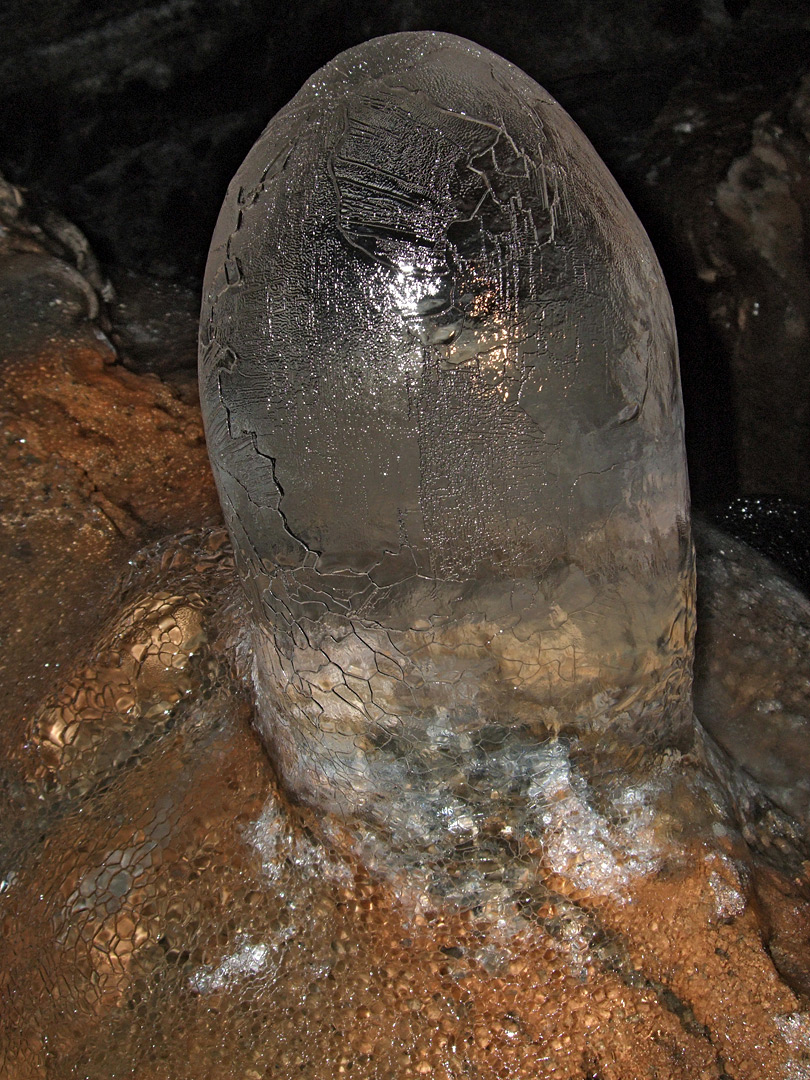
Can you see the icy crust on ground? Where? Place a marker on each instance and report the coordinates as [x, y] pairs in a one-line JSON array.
[[497, 857], [439, 380]]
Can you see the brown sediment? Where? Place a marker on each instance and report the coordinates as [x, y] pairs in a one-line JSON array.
[[97, 461]]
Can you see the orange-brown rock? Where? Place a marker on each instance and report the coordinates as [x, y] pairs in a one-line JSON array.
[[97, 460]]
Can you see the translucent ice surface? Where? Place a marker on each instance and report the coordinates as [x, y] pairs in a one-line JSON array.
[[440, 387]]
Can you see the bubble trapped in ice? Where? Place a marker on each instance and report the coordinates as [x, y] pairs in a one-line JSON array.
[[439, 380]]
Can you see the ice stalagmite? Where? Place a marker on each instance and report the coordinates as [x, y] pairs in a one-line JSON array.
[[440, 386]]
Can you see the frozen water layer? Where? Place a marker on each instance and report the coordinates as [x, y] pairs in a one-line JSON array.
[[439, 378]]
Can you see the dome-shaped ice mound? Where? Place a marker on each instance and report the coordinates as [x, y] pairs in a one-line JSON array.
[[440, 386]]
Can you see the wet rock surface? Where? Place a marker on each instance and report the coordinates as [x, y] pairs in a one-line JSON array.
[[757, 710], [97, 459]]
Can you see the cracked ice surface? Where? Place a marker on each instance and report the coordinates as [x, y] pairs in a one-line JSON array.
[[439, 379]]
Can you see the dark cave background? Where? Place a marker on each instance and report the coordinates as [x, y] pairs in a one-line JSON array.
[[130, 118]]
